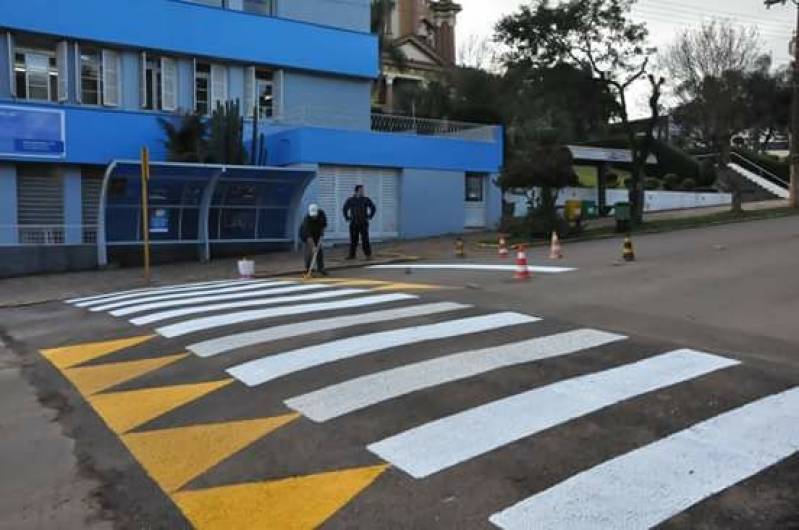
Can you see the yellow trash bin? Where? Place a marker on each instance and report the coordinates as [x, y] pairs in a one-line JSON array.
[[573, 210]]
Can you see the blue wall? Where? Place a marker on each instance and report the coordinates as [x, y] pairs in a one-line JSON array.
[[493, 202], [193, 29], [365, 148], [352, 14], [8, 204], [431, 202], [325, 101]]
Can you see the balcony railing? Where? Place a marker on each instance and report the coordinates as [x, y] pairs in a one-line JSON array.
[[50, 235], [389, 123]]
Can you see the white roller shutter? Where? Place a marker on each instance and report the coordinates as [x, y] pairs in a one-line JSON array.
[[12, 78], [111, 78], [336, 185], [143, 80], [62, 51], [249, 92], [169, 84], [78, 77]]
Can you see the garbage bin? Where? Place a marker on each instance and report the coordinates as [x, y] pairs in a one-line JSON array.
[[623, 213], [573, 210], [589, 210]]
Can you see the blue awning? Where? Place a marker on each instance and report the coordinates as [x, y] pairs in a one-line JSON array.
[[200, 204]]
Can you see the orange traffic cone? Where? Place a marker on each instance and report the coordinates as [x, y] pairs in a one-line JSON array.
[[503, 247], [555, 252], [522, 271], [628, 253]]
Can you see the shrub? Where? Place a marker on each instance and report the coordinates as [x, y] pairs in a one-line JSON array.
[[651, 183], [612, 180], [708, 174], [671, 182], [628, 183], [688, 184]]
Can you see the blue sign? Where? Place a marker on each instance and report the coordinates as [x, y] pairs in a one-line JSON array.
[[32, 132], [159, 221]]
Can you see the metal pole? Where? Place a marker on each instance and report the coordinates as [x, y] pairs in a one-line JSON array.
[[145, 212]]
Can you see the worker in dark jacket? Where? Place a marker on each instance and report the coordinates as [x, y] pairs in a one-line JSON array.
[[312, 230], [358, 211]]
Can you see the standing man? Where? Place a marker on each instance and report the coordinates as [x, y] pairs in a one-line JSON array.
[[358, 211], [312, 230]]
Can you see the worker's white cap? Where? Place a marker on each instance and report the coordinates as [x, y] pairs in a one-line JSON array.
[[313, 210]]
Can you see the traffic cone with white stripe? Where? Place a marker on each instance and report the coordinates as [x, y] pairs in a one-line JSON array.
[[555, 251], [522, 271], [628, 253], [503, 247]]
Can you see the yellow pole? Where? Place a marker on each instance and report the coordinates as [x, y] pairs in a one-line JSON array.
[[145, 216]]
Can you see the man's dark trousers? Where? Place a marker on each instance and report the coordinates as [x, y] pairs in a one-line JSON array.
[[320, 258], [360, 231]]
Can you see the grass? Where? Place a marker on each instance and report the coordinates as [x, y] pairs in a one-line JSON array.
[[665, 225]]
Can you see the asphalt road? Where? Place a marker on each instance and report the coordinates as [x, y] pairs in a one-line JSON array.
[[655, 393]]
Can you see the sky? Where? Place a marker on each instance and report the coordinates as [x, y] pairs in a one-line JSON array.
[[665, 19]]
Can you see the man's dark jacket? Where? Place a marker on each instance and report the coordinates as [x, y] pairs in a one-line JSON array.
[[314, 228], [359, 210]]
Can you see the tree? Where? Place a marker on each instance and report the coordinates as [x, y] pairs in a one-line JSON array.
[[768, 105], [185, 138], [593, 36], [711, 67], [226, 135]]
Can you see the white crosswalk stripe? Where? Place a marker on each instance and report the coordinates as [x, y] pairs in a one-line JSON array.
[[443, 443], [260, 302], [349, 396], [228, 343], [206, 323], [145, 290], [259, 371], [103, 299], [650, 485], [485, 267], [184, 295], [266, 291]]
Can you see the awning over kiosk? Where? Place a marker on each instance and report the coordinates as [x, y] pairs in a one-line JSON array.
[[200, 204]]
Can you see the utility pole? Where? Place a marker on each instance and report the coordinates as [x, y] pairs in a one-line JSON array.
[[794, 185]]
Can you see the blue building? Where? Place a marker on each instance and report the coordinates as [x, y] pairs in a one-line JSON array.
[[83, 84]]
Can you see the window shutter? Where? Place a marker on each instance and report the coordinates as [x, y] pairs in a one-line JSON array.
[[78, 82], [143, 80], [12, 78], [249, 92], [62, 50], [110, 78], [218, 86], [169, 84], [194, 85]]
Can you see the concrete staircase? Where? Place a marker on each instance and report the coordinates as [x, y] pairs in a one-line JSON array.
[[774, 185]]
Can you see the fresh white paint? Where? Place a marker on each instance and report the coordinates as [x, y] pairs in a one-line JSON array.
[[175, 313], [183, 295], [438, 445], [271, 290], [650, 485], [229, 343], [228, 319], [356, 394], [122, 295], [260, 371], [474, 267]]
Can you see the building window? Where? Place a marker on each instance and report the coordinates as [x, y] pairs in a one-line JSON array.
[[159, 76], [264, 89], [210, 86], [259, 7], [474, 188], [90, 79], [39, 69]]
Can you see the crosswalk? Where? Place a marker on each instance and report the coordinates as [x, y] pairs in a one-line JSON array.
[[639, 489]]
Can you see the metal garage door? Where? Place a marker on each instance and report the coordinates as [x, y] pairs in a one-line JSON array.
[[336, 185]]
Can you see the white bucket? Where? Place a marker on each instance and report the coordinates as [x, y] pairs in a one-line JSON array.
[[246, 268]]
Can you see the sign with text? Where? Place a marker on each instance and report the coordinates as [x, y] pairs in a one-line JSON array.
[[32, 132], [159, 221]]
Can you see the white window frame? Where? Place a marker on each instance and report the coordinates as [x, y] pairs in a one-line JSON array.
[[12, 76], [258, 94], [143, 80], [62, 64], [218, 86], [111, 76], [29, 70], [169, 84], [78, 77]]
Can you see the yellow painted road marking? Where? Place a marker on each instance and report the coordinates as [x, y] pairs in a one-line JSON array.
[[173, 457], [92, 379], [123, 411], [377, 285], [299, 503], [407, 287], [69, 356]]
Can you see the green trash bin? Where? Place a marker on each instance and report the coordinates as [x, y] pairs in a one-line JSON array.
[[623, 212], [590, 210]]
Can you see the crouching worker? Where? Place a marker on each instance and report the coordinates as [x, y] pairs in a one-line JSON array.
[[312, 230]]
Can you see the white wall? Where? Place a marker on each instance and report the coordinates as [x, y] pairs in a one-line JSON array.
[[655, 201]]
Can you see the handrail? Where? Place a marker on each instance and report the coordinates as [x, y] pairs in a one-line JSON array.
[[763, 172]]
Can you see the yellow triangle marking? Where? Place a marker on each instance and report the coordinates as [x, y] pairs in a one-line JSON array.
[[173, 457], [407, 287], [298, 503], [123, 411], [69, 356], [92, 379]]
